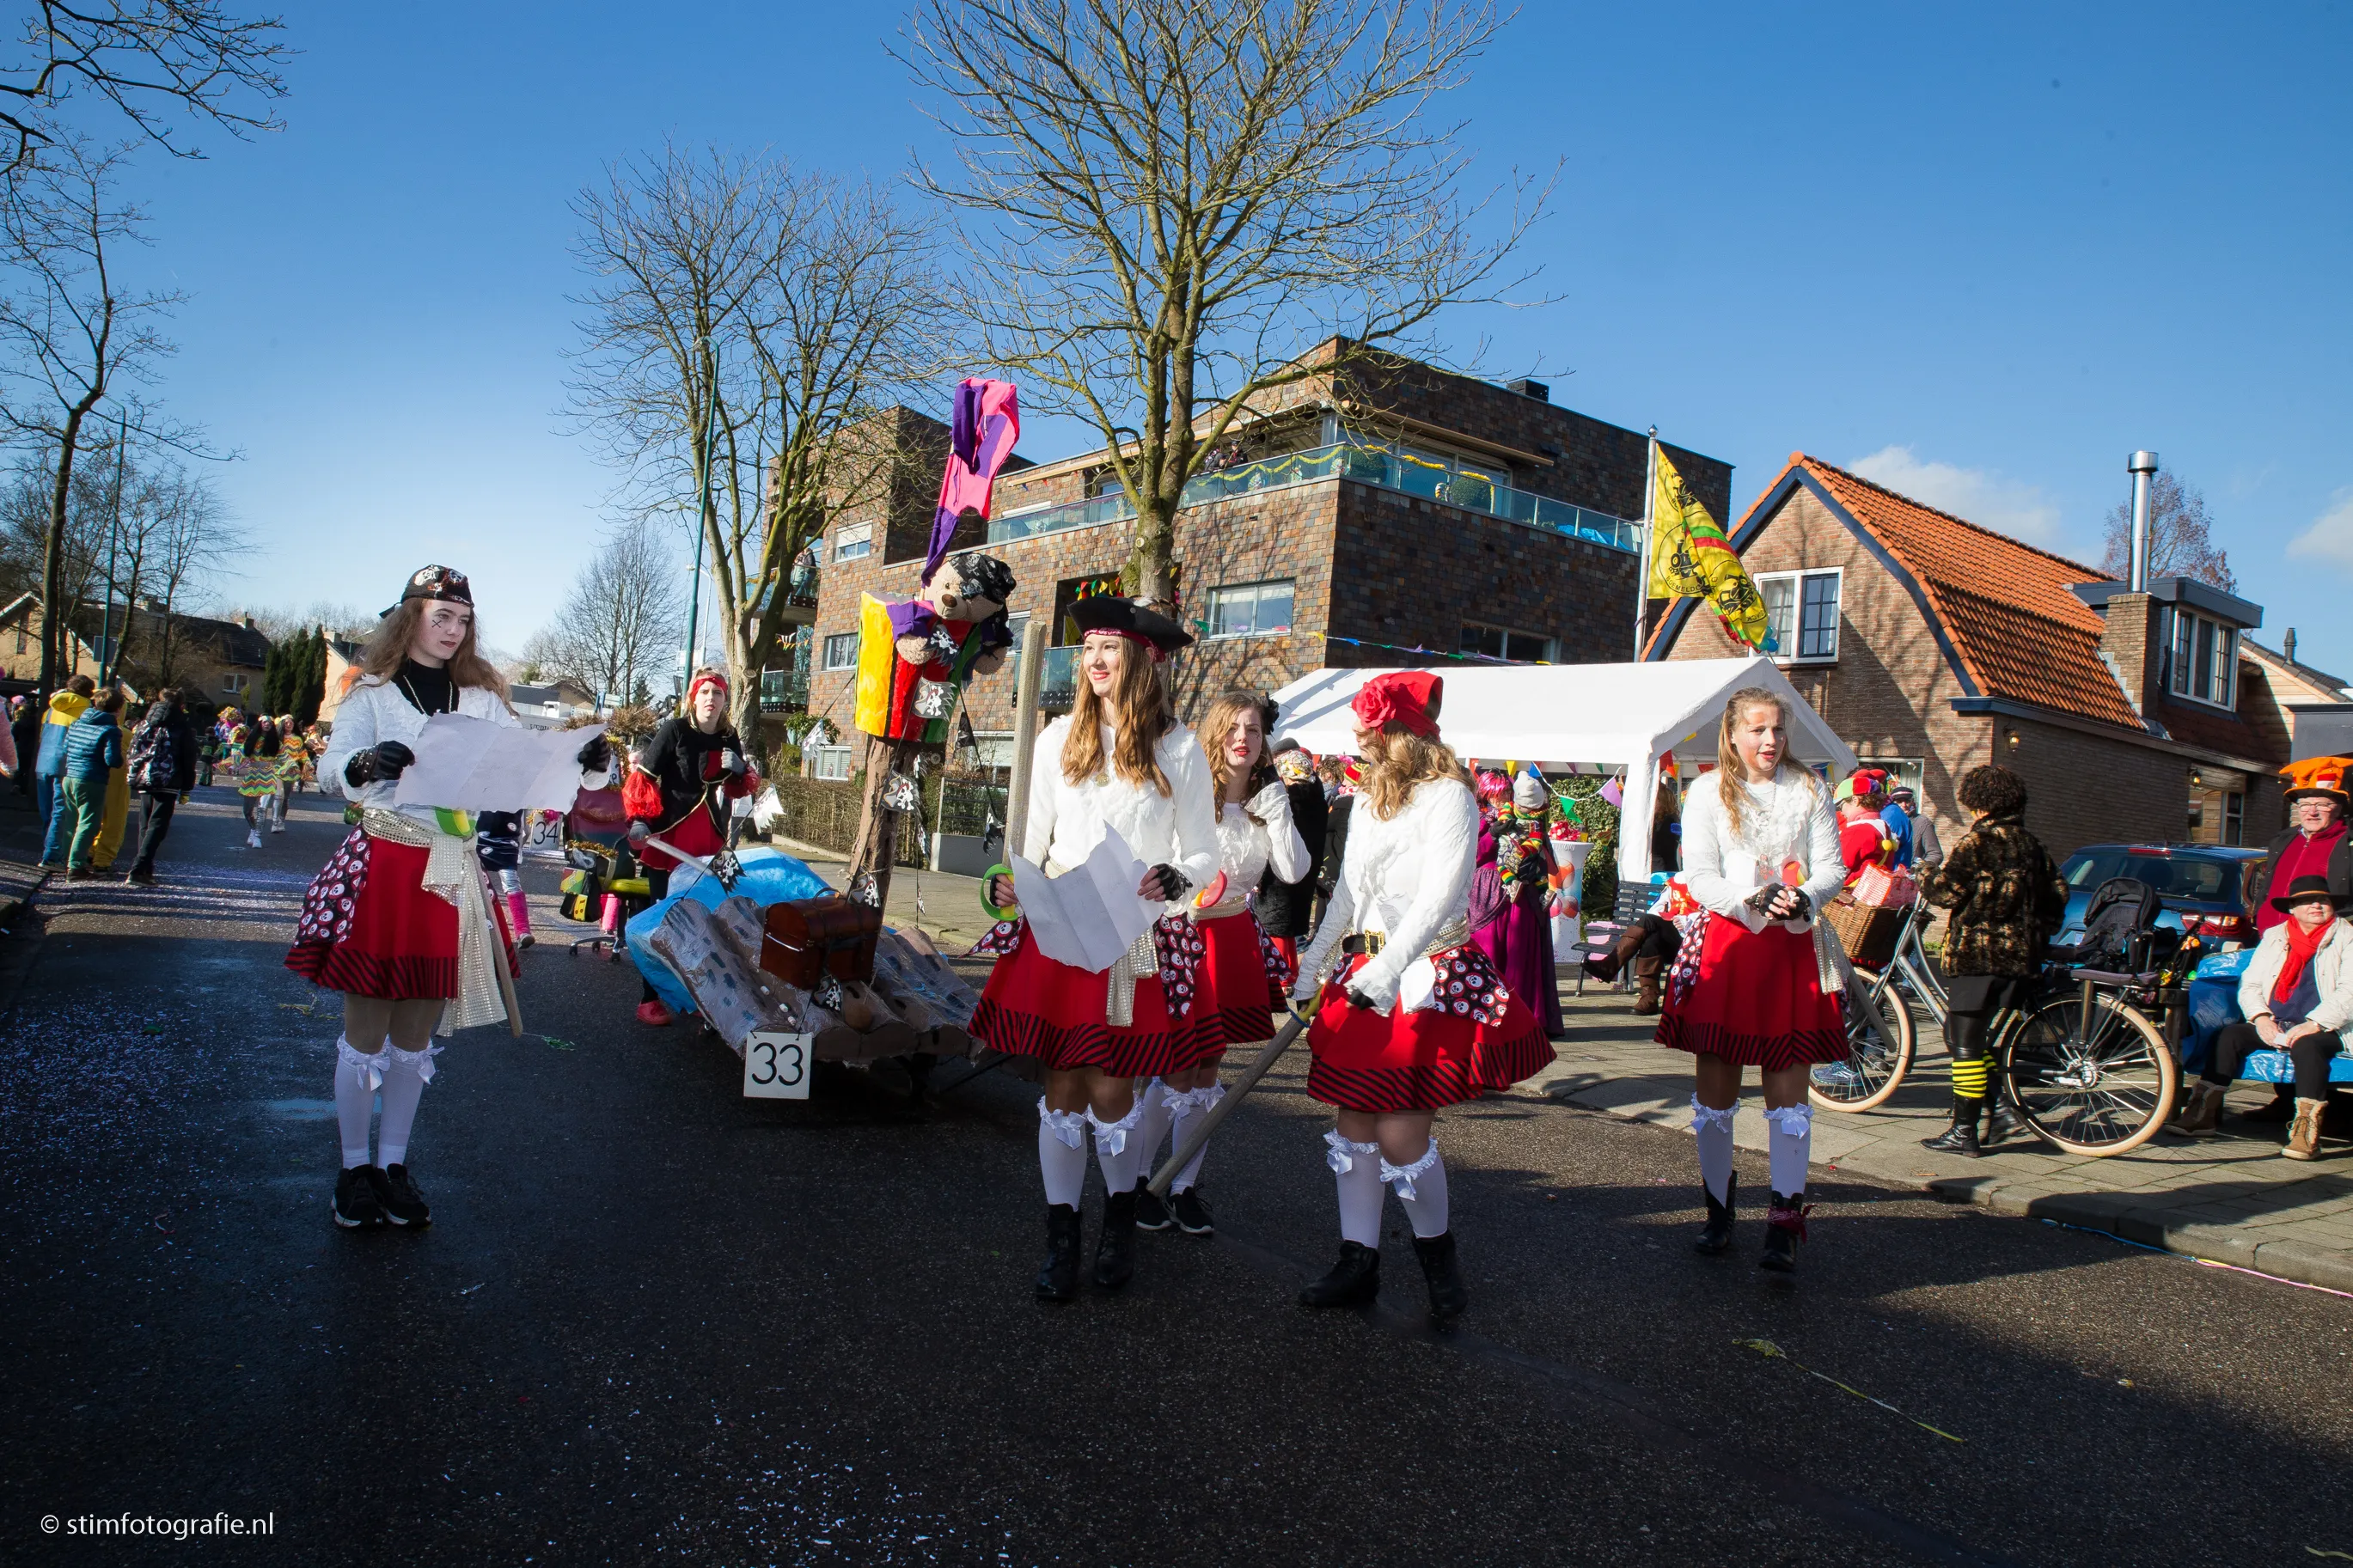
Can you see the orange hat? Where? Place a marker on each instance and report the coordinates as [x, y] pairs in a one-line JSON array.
[[2320, 775]]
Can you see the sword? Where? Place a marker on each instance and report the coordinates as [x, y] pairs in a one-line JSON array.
[[1197, 1138], [721, 867]]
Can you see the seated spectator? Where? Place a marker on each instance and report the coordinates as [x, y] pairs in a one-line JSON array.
[[2295, 995]]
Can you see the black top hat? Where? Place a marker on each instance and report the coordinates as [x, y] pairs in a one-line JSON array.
[[1129, 618], [2304, 889]]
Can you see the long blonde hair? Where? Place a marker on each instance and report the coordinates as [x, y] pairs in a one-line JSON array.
[[1216, 724], [1397, 761], [1140, 714], [1730, 772], [388, 644]]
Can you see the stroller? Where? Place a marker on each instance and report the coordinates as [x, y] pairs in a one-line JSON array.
[[2120, 932], [605, 886]]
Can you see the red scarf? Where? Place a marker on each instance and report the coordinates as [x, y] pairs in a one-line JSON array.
[[2301, 946]]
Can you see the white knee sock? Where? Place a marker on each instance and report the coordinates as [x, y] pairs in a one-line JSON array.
[[1157, 1101], [1715, 1128], [1421, 1188], [1063, 1154], [357, 1074], [405, 1074], [1357, 1168], [1116, 1148], [1791, 1144], [1188, 1108]]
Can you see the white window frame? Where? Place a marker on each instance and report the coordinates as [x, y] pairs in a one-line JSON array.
[[236, 685], [1254, 588], [829, 762], [2180, 626], [1551, 645], [853, 540], [825, 651], [1797, 580]]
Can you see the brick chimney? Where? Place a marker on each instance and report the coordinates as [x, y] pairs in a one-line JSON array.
[[2128, 642]]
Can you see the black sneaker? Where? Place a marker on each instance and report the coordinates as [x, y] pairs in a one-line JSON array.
[[357, 1205], [396, 1190], [1192, 1214], [1151, 1213]]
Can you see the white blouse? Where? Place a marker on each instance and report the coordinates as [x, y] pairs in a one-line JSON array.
[[1252, 838], [1180, 828], [1408, 878], [373, 711], [1788, 819]]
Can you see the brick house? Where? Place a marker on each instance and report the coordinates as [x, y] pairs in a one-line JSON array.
[[1387, 514], [1932, 645], [21, 623]]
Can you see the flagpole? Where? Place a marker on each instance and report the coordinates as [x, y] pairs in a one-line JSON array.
[[1650, 498]]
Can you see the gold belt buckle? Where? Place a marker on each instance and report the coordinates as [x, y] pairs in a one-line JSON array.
[[1373, 941]]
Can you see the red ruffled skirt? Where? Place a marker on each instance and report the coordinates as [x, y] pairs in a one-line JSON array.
[[1482, 1037], [1231, 1006], [1035, 1006], [368, 927], [1757, 1000]]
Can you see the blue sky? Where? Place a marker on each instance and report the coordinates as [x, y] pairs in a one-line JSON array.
[[1983, 253]]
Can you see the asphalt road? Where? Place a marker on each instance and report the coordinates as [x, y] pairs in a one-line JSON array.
[[654, 1320]]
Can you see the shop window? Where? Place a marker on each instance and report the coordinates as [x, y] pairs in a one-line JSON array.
[[1251, 609], [1499, 642], [841, 651], [852, 541], [1802, 608]]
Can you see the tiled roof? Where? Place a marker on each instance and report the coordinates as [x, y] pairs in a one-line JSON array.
[[2004, 604]]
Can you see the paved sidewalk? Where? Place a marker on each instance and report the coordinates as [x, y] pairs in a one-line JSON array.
[[2233, 1199]]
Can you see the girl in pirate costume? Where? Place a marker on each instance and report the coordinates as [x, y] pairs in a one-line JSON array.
[[1762, 987], [1416, 1018], [398, 921], [1118, 762], [679, 788], [1233, 1004]]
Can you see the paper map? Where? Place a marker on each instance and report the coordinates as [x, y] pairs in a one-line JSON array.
[[472, 765], [1089, 915]]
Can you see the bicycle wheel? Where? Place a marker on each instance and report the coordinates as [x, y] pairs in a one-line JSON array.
[[1879, 1053], [2100, 1090]]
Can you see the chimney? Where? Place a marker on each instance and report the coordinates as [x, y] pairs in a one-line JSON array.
[[2288, 646], [2142, 466], [1527, 388]]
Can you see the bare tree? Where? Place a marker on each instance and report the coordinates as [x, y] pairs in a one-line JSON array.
[[174, 535], [72, 332], [623, 618], [746, 323], [2180, 536], [1174, 197], [146, 59]]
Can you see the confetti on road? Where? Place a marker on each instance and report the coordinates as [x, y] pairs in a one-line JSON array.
[[1768, 1348]]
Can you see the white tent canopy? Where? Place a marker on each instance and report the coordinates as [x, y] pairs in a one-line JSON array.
[[1613, 716]]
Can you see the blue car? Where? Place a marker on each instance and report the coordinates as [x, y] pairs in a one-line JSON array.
[[2204, 888]]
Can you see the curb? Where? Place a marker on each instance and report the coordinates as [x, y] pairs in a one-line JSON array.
[[2129, 1220], [2117, 1214]]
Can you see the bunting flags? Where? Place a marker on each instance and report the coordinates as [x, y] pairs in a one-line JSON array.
[[1692, 558]]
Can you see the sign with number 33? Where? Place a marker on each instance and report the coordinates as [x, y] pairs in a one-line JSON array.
[[777, 1067]]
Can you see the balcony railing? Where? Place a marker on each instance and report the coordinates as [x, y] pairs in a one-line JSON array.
[[1058, 684], [783, 690], [1382, 465]]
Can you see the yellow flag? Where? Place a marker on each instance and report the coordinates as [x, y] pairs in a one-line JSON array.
[[1692, 558]]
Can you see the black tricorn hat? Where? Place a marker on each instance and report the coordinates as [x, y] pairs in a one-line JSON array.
[[2304, 889], [445, 583], [1132, 619]]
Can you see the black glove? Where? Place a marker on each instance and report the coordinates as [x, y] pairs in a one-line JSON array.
[[1358, 999], [380, 764], [640, 831], [1805, 905], [1174, 884], [1761, 900], [596, 756], [1530, 868]]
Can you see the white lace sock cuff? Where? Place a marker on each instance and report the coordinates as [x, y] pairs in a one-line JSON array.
[[419, 1062], [1345, 1153], [1707, 1116], [1401, 1177], [1069, 1127], [367, 1068]]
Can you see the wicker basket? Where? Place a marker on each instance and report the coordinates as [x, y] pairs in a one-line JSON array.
[[1867, 931]]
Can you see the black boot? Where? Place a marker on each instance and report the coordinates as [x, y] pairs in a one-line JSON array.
[[2001, 1122], [1961, 1137], [1115, 1249], [1717, 1234], [1354, 1281], [1059, 1280], [1785, 1227], [1604, 965], [1446, 1296]]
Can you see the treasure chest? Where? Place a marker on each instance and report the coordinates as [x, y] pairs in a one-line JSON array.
[[809, 939]]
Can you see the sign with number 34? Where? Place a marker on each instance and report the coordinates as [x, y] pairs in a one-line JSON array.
[[777, 1067]]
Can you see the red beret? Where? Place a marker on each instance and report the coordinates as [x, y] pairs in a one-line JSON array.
[[1407, 697]]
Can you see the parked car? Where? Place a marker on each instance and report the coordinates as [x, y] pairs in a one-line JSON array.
[[2203, 886]]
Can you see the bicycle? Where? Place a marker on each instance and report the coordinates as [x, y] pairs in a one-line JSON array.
[[2082, 1064]]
